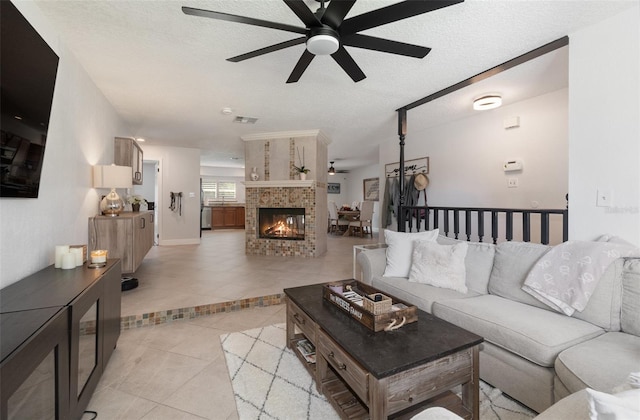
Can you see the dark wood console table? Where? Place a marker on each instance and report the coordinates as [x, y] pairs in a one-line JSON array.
[[60, 326]]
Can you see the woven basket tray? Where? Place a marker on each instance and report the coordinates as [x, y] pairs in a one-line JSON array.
[[377, 308]]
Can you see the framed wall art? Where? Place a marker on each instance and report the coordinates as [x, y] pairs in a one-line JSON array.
[[411, 167], [371, 189], [333, 188]]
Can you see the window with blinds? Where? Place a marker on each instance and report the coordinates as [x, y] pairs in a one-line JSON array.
[[213, 190]]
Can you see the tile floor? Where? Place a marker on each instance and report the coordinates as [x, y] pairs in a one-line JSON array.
[[177, 370]]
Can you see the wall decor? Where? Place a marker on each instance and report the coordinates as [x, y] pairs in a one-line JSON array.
[[371, 189], [411, 167], [333, 188]]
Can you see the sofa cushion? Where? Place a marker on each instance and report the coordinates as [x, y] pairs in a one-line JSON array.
[[603, 308], [418, 294], [533, 333], [439, 265], [478, 263], [400, 249], [511, 265], [601, 363], [630, 313]]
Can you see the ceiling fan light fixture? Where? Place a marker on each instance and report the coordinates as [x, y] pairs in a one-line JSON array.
[[322, 45], [487, 102], [332, 170]]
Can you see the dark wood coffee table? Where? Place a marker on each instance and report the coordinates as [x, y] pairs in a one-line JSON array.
[[365, 374]]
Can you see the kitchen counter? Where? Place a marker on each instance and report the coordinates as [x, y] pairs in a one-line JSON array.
[[225, 204]]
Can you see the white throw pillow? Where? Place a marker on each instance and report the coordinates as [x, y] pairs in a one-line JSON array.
[[439, 265], [624, 405], [400, 249]]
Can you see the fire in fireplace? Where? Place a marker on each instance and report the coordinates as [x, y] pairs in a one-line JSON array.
[[281, 223]]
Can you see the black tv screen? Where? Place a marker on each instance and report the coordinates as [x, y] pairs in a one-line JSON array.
[[28, 68]]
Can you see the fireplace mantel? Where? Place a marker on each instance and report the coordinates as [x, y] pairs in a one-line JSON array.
[[281, 183]]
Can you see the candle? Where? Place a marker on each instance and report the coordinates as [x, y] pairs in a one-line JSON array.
[[60, 251], [99, 256], [68, 261], [77, 254]]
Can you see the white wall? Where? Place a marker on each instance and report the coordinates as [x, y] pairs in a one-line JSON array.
[[466, 156], [604, 127], [81, 131], [179, 172]]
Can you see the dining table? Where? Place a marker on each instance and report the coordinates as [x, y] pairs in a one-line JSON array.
[[349, 215]]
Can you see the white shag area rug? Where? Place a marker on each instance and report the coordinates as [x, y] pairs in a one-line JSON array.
[[270, 382]]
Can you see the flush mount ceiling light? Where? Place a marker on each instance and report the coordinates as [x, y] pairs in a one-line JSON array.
[[140, 139], [487, 102], [332, 170], [226, 111]]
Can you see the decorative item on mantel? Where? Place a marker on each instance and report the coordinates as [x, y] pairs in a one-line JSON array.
[[254, 174], [302, 171]]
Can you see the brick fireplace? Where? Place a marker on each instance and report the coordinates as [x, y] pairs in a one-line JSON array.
[[294, 211]]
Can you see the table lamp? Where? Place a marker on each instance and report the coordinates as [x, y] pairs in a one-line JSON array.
[[112, 176]]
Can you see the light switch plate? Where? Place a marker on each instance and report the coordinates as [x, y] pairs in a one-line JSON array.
[[512, 182]]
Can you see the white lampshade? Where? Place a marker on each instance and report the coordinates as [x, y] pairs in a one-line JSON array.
[[112, 176]]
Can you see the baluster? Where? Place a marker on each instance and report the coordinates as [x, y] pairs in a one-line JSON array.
[[480, 225], [436, 223], [526, 226], [494, 226], [418, 220], [467, 224], [456, 223], [446, 222], [565, 225], [509, 221], [544, 227]]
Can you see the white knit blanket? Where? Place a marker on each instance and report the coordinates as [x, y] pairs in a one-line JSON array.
[[566, 276]]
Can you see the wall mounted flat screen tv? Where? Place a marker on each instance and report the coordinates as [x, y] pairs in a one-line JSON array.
[[28, 68]]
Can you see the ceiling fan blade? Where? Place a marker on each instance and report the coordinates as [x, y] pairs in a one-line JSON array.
[[265, 50], [242, 19], [385, 45], [302, 11], [336, 11], [344, 59], [393, 13], [301, 66]]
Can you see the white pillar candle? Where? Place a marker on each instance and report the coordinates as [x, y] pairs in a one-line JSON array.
[[68, 261], [77, 253], [60, 251]]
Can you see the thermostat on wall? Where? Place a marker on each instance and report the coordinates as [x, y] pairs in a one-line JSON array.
[[512, 165]]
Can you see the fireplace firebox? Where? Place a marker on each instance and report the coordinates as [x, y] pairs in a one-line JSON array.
[[281, 223]]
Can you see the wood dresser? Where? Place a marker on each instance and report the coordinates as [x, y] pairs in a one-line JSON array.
[[374, 375]]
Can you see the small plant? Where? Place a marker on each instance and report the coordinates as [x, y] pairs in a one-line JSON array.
[[136, 199], [301, 168]]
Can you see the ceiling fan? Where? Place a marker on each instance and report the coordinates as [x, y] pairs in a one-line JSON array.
[[327, 32]]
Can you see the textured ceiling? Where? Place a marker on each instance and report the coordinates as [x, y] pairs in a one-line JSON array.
[[166, 74]]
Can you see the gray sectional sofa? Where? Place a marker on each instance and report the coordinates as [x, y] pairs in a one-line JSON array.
[[531, 352]]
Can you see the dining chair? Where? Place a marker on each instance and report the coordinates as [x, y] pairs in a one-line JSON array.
[[366, 216], [334, 219]]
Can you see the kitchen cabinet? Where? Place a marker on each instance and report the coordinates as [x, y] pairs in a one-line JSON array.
[[128, 237], [127, 152], [227, 217]]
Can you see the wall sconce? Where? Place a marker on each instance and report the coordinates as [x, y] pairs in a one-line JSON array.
[[487, 102], [332, 170], [112, 176]]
